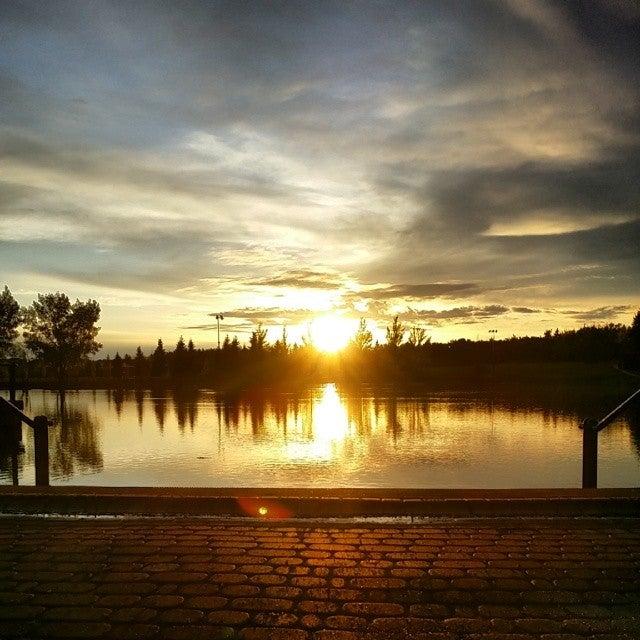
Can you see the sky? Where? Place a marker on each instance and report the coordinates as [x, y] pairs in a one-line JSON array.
[[467, 165]]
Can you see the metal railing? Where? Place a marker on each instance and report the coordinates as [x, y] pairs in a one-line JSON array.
[[11, 413], [590, 429]]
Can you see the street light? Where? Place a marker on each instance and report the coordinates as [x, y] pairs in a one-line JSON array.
[[219, 317], [492, 335]]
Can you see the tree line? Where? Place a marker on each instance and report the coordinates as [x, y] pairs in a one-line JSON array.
[[61, 335]]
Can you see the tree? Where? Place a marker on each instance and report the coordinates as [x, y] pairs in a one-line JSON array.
[[117, 368], [258, 339], [191, 361], [632, 359], [159, 361], [10, 318], [179, 360], [60, 333], [281, 347], [139, 363], [418, 337], [363, 338], [395, 333]]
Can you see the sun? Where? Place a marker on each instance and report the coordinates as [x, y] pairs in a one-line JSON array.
[[330, 333]]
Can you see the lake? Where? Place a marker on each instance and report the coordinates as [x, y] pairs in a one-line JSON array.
[[326, 437]]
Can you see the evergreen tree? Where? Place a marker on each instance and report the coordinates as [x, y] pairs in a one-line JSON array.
[[117, 369], [159, 361], [179, 360], [139, 364], [258, 339], [632, 356]]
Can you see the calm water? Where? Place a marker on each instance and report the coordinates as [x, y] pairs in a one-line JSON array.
[[324, 438]]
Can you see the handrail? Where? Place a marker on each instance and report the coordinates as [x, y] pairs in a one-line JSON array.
[[590, 429], [17, 413], [40, 426], [612, 415]]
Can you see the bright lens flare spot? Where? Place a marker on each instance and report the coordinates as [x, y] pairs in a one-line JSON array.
[[263, 511], [331, 333]]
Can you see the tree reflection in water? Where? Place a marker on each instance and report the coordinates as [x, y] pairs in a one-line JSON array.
[[159, 408], [633, 418], [74, 442], [185, 405], [139, 395]]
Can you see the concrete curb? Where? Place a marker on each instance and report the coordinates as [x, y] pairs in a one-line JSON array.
[[320, 503]]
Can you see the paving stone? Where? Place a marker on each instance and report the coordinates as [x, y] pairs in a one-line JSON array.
[[20, 612], [231, 618], [464, 580], [74, 630], [180, 616], [258, 633]]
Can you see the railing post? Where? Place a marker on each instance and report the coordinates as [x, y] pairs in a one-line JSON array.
[[41, 447], [12, 380], [590, 454]]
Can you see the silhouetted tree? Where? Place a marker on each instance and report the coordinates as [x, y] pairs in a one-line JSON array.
[[363, 338], [139, 364], [281, 346], [117, 369], [10, 318], [192, 364], [418, 337], [632, 356], [258, 339], [395, 333], [61, 333], [159, 361], [179, 360]]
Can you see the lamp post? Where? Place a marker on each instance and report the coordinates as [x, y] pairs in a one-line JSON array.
[[219, 317], [492, 334]]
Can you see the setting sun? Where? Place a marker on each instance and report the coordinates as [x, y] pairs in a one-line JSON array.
[[331, 333]]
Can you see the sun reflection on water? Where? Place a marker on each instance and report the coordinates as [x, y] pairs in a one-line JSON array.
[[327, 429]]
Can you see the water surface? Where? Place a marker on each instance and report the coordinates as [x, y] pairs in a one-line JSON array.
[[324, 437]]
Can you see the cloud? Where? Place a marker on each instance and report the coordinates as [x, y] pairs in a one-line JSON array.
[[461, 315], [486, 152], [600, 314], [524, 310], [302, 278], [422, 290], [272, 315]]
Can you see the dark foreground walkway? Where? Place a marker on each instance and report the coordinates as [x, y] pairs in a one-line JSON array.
[[188, 578]]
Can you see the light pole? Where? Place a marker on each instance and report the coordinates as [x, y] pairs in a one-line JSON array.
[[219, 317], [493, 333]]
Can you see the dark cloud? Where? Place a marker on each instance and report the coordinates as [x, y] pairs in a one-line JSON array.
[[458, 315], [600, 314], [524, 310], [302, 278], [423, 290], [271, 315]]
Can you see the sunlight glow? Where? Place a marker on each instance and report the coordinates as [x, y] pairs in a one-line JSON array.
[[329, 429], [330, 333]]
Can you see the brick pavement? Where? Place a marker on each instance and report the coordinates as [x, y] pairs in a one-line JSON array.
[[449, 580]]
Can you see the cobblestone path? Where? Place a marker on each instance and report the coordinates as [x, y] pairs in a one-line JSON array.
[[193, 579]]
